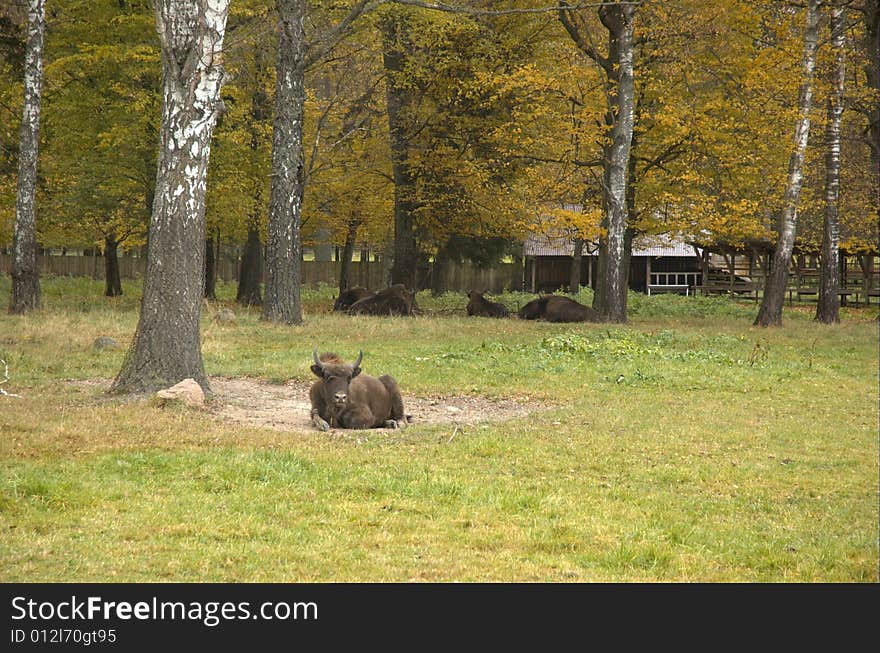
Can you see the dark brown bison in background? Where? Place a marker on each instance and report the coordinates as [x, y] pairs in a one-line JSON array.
[[563, 309], [534, 310], [350, 296], [554, 308], [344, 398], [394, 300], [482, 307]]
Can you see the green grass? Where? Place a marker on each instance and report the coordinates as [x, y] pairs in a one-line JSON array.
[[685, 446]]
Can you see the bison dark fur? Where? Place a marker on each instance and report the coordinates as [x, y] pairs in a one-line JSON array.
[[342, 397], [563, 309], [534, 310], [394, 300], [480, 306], [555, 308], [350, 296]]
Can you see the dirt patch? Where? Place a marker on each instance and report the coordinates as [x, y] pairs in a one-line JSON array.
[[287, 408]]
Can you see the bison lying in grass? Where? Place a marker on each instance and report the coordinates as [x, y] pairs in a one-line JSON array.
[[482, 307], [342, 397], [554, 308], [350, 296], [394, 300]]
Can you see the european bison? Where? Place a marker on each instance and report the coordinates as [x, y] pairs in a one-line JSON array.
[[350, 296], [479, 305], [555, 308], [534, 309], [342, 397], [563, 309], [394, 300]]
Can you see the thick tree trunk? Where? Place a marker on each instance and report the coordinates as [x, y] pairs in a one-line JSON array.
[[770, 313], [828, 309], [405, 259], [167, 345], [251, 271], [210, 270], [112, 282], [283, 249], [25, 272], [347, 254], [612, 282], [574, 278]]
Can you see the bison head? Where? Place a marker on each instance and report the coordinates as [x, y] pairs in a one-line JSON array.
[[337, 375]]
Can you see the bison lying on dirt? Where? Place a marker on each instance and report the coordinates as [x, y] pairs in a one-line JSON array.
[[480, 306], [554, 308], [394, 300], [350, 296], [342, 397]]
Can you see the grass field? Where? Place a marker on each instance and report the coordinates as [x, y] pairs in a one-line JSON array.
[[685, 446]]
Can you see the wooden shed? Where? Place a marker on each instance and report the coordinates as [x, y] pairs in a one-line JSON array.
[[658, 264]]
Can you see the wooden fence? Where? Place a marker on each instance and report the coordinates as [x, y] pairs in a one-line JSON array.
[[459, 277]]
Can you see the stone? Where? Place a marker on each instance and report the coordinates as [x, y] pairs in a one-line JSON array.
[[104, 342], [453, 409], [187, 391], [226, 316]]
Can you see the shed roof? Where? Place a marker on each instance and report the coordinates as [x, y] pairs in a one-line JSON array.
[[561, 245]]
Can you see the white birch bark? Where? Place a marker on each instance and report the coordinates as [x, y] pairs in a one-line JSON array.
[[25, 273], [828, 308], [618, 19], [611, 282], [167, 343], [283, 248], [770, 313]]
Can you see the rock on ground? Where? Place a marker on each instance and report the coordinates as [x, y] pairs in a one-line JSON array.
[[226, 316], [187, 391], [104, 342]]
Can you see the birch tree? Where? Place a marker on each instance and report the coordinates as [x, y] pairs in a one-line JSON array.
[[283, 247], [828, 309], [770, 313], [617, 66], [25, 273], [281, 302], [167, 345]]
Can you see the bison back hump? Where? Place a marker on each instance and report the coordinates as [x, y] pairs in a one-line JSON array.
[[563, 309]]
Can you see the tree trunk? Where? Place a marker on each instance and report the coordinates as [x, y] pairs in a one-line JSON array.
[[112, 282], [574, 279], [438, 272], [828, 309], [770, 313], [347, 253], [25, 272], [167, 345], [871, 9], [612, 281], [516, 283], [210, 270], [405, 259], [628, 236], [283, 250], [251, 271]]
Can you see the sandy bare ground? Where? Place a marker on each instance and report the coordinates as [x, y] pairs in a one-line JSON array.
[[286, 407]]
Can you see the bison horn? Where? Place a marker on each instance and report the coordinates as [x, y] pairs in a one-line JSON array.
[[317, 360], [360, 357]]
